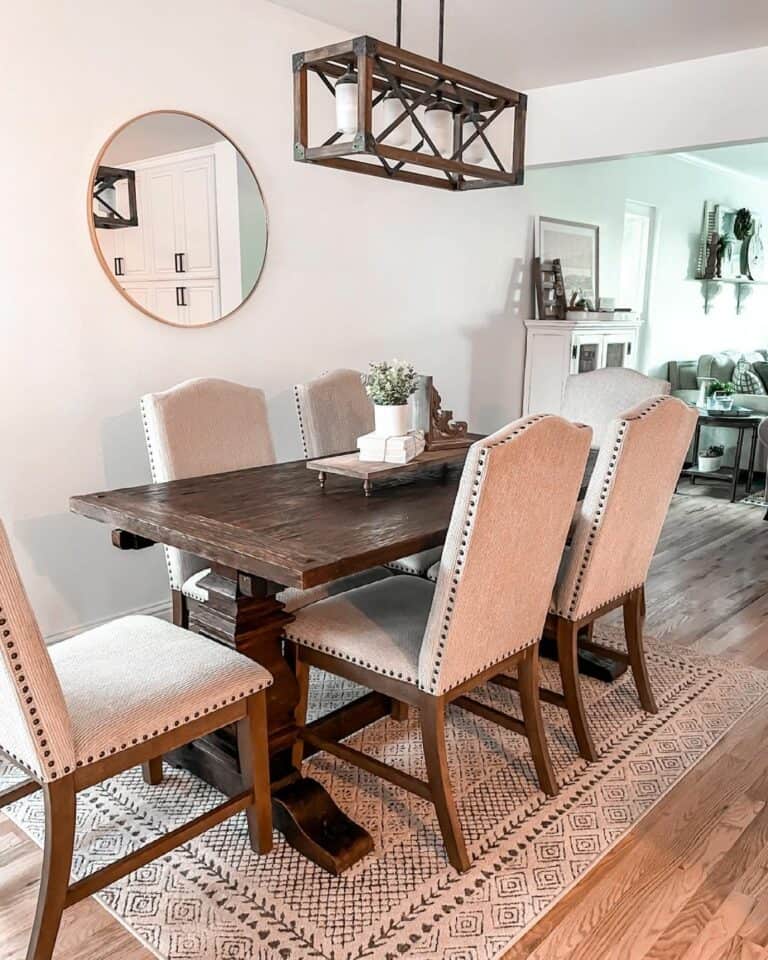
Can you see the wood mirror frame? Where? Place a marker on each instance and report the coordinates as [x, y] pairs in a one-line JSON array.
[[95, 240]]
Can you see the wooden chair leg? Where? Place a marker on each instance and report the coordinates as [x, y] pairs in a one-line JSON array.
[[433, 733], [399, 711], [152, 771], [528, 688], [252, 744], [301, 670], [634, 620], [179, 611], [567, 655], [59, 798]]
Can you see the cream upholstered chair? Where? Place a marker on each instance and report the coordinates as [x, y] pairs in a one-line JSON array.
[[617, 528], [598, 397], [427, 645], [762, 432], [103, 702], [333, 411], [209, 426]]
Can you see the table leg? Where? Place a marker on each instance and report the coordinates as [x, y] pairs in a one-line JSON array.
[[737, 465], [696, 439], [751, 463], [243, 613]]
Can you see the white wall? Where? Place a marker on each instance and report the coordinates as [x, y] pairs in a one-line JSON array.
[[357, 268], [677, 327], [681, 105]]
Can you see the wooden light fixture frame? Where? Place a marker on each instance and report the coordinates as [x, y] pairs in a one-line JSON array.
[[417, 82], [104, 178]]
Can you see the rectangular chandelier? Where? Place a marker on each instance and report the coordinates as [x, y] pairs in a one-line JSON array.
[[437, 119]]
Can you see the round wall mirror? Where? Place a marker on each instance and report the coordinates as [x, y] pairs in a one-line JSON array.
[[177, 218]]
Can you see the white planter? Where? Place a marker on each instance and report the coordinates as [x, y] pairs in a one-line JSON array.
[[709, 464], [392, 421]]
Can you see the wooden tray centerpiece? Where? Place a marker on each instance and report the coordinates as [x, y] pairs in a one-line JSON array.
[[447, 443]]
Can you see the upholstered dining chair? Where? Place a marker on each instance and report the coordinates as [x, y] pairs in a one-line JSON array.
[[598, 397], [209, 426], [102, 702], [427, 645], [616, 531], [762, 433], [333, 411]]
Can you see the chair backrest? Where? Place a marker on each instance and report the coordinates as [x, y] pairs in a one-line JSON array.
[[503, 548], [35, 729], [333, 412], [201, 427], [598, 397], [620, 521]]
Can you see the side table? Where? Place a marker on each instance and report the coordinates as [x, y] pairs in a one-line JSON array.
[[746, 422]]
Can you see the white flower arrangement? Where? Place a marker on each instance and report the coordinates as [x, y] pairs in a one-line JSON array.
[[390, 383]]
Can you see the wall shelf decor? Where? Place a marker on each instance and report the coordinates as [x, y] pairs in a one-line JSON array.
[[450, 111], [105, 183], [711, 287]]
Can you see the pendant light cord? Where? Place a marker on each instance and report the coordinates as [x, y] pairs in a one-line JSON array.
[[441, 42], [399, 31]]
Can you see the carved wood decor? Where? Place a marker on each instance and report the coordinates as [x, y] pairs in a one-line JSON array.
[[417, 82]]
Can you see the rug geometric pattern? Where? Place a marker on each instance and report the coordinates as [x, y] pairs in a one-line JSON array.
[[213, 899]]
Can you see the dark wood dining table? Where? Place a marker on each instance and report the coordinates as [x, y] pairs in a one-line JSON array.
[[261, 530]]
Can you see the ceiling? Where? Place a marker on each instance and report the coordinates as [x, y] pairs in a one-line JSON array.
[[749, 158], [527, 44], [156, 134]]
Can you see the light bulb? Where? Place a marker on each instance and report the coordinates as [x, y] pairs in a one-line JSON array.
[[475, 152], [346, 103], [391, 109], [438, 122], [109, 195]]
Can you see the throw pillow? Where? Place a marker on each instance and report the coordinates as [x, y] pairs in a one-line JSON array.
[[761, 369], [746, 380]]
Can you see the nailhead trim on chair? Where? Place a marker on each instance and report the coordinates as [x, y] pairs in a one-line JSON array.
[[456, 574], [297, 398], [599, 512], [29, 701], [328, 648], [142, 738], [153, 473]]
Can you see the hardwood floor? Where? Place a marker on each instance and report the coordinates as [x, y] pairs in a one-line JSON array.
[[691, 881]]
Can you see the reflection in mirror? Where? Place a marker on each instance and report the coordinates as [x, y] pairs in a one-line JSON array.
[[178, 217]]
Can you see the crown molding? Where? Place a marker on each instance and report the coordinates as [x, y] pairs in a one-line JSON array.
[[699, 161]]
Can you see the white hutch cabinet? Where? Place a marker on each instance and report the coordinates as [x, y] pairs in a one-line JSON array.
[[582, 342]]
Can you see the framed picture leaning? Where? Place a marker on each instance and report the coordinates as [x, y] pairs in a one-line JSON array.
[[577, 246]]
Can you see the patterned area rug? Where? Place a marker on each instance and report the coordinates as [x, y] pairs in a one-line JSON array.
[[215, 900]]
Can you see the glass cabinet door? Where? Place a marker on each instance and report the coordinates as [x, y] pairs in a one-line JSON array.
[[615, 353], [585, 355]]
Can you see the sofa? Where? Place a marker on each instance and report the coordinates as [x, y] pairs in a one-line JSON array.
[[684, 375]]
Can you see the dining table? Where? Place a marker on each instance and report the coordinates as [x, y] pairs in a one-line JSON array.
[[262, 530]]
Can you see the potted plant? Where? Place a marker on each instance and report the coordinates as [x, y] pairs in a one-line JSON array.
[[712, 458], [720, 395], [390, 385]]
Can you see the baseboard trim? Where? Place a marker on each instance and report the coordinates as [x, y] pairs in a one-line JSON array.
[[162, 610]]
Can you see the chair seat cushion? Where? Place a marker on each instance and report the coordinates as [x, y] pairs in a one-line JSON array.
[[137, 677], [417, 564], [379, 626], [433, 571], [293, 598]]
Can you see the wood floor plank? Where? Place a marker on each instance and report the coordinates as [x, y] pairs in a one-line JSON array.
[[736, 882], [590, 921]]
